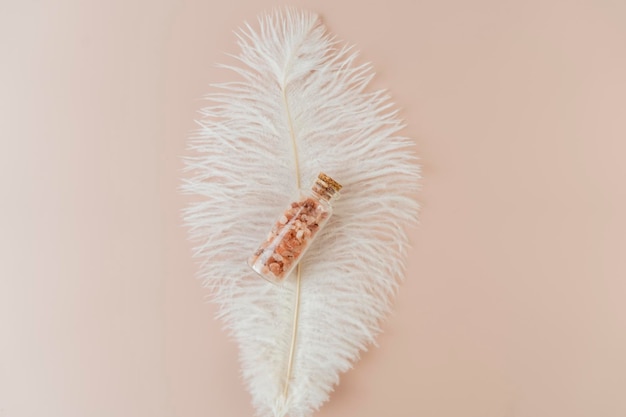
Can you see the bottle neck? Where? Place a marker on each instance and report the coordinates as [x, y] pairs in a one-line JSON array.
[[323, 192]]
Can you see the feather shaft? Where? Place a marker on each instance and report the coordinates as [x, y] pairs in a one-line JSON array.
[[296, 308], [294, 332]]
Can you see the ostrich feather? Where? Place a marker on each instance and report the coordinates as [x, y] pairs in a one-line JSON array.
[[299, 105]]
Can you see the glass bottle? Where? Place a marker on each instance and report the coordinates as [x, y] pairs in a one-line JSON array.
[[294, 231]]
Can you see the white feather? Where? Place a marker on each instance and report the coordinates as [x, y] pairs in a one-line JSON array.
[[300, 107]]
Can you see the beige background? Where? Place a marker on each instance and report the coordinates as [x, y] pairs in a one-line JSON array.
[[514, 302]]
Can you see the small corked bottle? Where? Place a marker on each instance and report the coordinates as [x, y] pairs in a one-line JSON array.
[[294, 231]]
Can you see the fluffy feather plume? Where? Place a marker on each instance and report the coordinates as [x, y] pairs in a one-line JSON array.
[[300, 106]]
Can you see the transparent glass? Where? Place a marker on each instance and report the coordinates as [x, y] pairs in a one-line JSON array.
[[294, 231]]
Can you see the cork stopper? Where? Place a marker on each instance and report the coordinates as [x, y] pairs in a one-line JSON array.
[[329, 181], [326, 186]]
